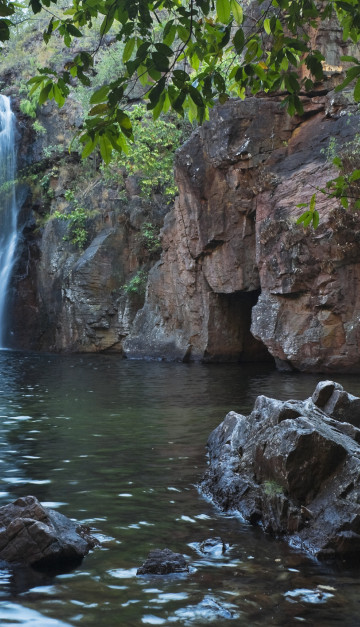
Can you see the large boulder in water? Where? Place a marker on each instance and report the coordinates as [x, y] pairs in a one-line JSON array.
[[294, 469], [31, 534]]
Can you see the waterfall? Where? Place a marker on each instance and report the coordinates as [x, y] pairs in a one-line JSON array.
[[8, 208]]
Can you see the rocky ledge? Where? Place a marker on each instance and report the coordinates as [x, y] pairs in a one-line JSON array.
[[294, 468], [33, 535]]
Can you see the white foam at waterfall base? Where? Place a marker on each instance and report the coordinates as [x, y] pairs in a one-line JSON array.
[[8, 208]]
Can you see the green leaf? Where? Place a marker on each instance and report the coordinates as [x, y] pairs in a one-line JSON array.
[[357, 91], [105, 148], [196, 96], [352, 73], [143, 75], [6, 10], [99, 109], [267, 26], [45, 92], [128, 50], [308, 219], [239, 40], [291, 83], [164, 50], [142, 50], [223, 98], [75, 32], [355, 176], [183, 33], [35, 80], [315, 219], [305, 218], [181, 76], [152, 72], [4, 30], [88, 148], [312, 202], [237, 11], [156, 92], [223, 10], [195, 61], [108, 20], [169, 33], [348, 59], [160, 62], [100, 94], [159, 107], [35, 6], [122, 143], [58, 95], [191, 109], [124, 122]]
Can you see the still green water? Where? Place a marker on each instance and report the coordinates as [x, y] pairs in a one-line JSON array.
[[120, 445]]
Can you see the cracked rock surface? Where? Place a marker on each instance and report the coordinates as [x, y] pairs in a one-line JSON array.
[[33, 535], [293, 467]]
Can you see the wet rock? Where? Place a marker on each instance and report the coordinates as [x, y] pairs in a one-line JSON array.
[[324, 391], [31, 534], [209, 610], [213, 546], [294, 469], [163, 562], [337, 403]]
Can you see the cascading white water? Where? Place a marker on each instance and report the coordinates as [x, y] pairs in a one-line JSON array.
[[8, 208]]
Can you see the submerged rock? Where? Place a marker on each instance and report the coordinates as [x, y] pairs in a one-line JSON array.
[[31, 534], [209, 610], [213, 546], [294, 469], [163, 562]]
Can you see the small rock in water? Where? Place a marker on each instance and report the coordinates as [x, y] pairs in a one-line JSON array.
[[209, 610], [213, 546], [31, 534], [163, 562]]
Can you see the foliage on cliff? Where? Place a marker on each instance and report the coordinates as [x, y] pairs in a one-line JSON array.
[[179, 55], [187, 54]]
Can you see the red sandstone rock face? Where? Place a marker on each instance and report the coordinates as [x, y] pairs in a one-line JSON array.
[[233, 231], [308, 312], [201, 293], [231, 236]]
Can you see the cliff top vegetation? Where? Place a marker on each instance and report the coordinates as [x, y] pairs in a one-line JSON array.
[[184, 54]]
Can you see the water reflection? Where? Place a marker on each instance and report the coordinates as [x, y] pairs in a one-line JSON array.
[[120, 445]]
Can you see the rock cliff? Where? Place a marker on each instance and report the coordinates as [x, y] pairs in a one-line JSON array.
[[238, 279], [232, 248], [69, 297]]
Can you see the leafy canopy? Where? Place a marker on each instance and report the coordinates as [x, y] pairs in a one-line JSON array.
[[187, 54]]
